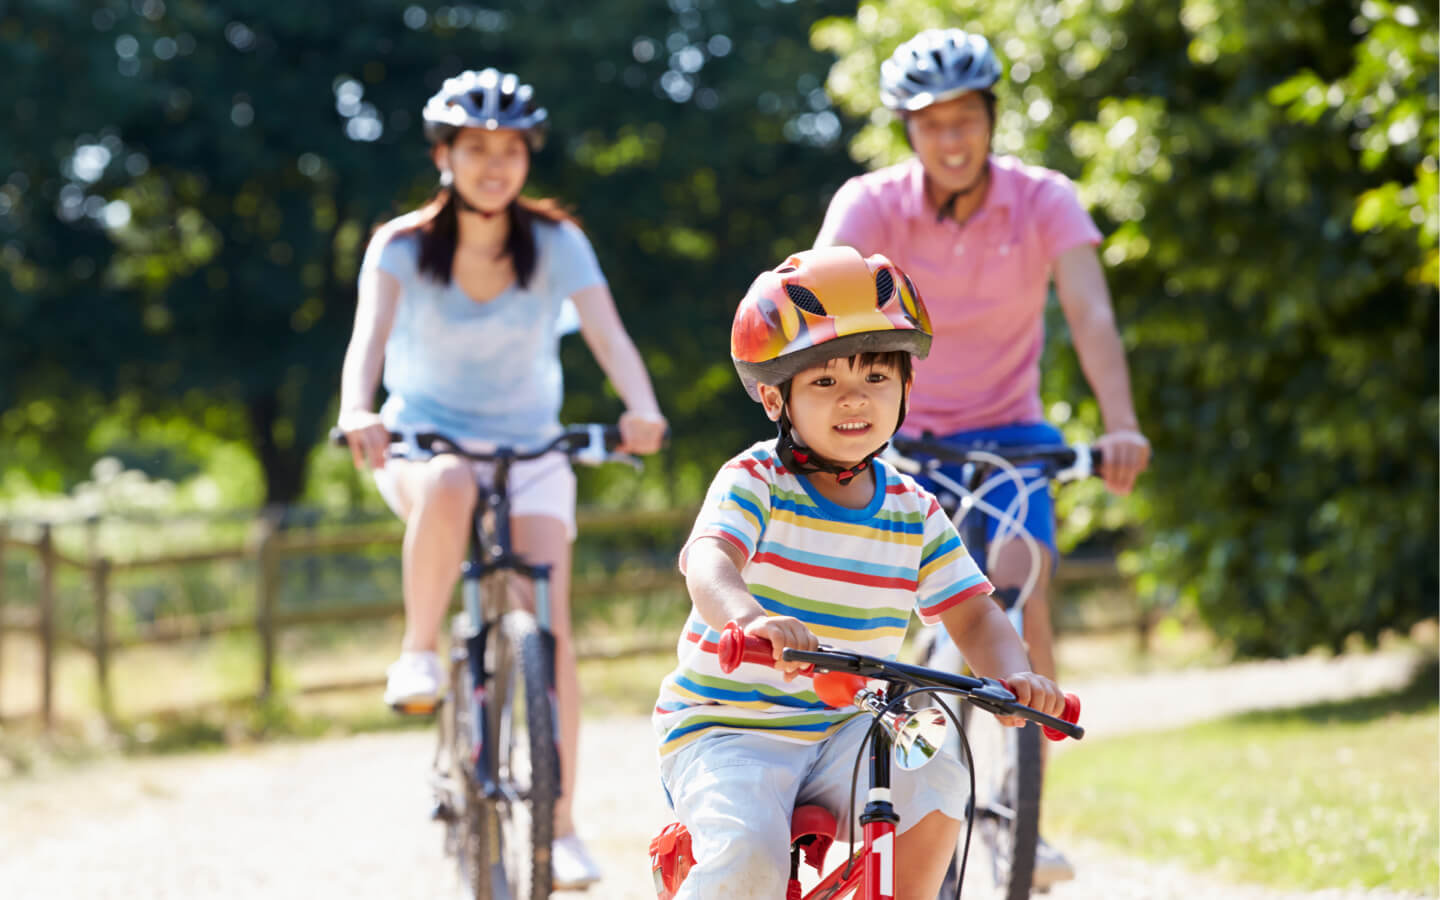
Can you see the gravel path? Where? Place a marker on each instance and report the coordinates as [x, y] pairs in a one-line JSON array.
[[346, 817]]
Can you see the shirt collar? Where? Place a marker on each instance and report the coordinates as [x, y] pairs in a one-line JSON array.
[[1002, 192]]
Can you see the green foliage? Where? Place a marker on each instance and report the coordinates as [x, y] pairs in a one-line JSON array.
[[184, 232], [1266, 177], [1328, 796]]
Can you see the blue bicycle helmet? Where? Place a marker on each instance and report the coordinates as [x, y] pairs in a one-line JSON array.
[[935, 65], [486, 99]]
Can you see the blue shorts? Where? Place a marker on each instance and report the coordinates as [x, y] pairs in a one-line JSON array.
[[1040, 514]]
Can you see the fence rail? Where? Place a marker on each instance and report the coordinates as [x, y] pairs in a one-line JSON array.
[[265, 546]]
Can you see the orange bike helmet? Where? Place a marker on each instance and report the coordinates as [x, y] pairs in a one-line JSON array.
[[816, 306], [824, 304]]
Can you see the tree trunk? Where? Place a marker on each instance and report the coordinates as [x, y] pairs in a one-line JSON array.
[[284, 467]]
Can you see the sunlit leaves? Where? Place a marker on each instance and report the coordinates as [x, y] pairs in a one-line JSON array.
[[1266, 178]]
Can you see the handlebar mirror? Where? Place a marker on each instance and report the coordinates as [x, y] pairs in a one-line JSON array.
[[919, 737]]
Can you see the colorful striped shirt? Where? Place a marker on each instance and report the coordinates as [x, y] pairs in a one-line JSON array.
[[851, 575]]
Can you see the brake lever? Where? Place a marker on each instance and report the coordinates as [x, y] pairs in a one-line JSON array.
[[1082, 467], [594, 452], [629, 459]]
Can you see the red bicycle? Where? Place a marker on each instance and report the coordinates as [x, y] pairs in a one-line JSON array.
[[900, 735]]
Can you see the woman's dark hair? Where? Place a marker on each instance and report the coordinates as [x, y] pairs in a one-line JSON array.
[[439, 230]]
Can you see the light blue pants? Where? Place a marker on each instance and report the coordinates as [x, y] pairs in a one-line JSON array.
[[734, 793]]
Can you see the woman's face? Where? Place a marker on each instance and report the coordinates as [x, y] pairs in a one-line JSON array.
[[488, 167]]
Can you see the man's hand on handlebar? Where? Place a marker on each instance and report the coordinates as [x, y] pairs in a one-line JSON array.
[[782, 632], [366, 436], [1124, 455]]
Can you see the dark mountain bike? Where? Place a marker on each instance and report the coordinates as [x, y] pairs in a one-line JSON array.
[[1011, 767], [496, 769]]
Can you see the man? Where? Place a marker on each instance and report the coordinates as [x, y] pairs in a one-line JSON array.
[[983, 236]]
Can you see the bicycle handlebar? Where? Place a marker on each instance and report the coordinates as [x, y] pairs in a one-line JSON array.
[[992, 695], [1067, 460], [590, 444]]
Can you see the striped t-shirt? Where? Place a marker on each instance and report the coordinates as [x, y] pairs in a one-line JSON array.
[[851, 575]]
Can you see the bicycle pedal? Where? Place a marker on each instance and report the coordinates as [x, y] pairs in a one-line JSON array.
[[442, 812], [416, 707]]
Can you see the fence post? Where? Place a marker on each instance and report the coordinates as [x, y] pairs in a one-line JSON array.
[[4, 539], [265, 598], [47, 627], [100, 585]]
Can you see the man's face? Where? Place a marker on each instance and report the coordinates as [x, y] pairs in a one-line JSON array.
[[952, 140]]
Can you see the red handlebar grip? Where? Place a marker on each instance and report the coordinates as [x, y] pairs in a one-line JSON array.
[[736, 647], [1071, 714]]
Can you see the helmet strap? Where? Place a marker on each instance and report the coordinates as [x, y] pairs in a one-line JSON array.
[[799, 458]]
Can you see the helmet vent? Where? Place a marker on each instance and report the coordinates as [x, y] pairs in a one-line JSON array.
[[884, 287], [805, 299]]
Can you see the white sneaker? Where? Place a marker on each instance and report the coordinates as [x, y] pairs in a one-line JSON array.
[[571, 864], [1051, 866], [412, 684]]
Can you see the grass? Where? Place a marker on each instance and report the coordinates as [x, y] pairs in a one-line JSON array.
[[1331, 795]]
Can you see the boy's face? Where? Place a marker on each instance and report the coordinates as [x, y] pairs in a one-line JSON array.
[[842, 412]]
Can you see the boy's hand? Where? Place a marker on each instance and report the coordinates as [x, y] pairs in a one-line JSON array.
[[1035, 691], [782, 632]]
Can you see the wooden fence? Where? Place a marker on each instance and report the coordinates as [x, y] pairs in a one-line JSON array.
[[266, 546]]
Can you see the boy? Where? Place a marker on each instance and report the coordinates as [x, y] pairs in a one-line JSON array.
[[810, 537]]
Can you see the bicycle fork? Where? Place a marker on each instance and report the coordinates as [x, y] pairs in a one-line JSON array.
[[540, 578], [483, 739]]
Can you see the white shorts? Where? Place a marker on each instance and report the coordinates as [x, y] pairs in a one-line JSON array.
[[538, 487], [734, 793]]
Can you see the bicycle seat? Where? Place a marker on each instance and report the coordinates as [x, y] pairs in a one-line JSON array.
[[813, 829]]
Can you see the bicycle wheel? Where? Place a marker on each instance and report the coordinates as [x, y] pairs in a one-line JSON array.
[[1007, 808], [471, 825], [529, 767]]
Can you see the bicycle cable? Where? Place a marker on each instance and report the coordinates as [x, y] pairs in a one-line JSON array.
[[968, 760], [1010, 526]]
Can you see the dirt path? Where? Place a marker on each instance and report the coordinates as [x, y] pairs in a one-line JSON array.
[[346, 818]]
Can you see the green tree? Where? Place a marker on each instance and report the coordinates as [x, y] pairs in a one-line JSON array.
[[1265, 174], [224, 174]]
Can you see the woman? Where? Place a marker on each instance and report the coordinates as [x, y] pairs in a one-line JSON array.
[[461, 300]]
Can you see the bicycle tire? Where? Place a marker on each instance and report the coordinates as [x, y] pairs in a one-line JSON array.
[[1007, 815], [529, 766], [472, 828]]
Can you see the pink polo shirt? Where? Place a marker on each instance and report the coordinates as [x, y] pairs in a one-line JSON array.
[[985, 282]]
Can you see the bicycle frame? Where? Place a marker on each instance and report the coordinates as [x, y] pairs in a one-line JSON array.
[[873, 866]]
